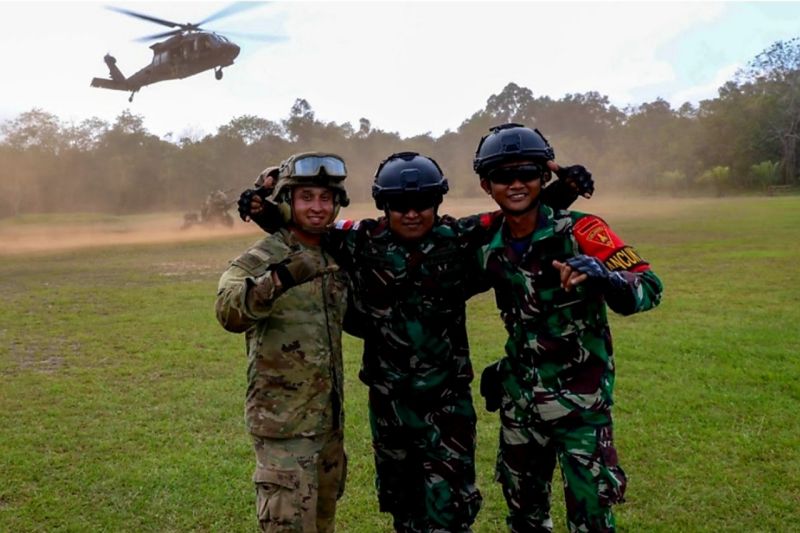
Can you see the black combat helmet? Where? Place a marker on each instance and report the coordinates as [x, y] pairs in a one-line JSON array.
[[408, 173], [510, 142]]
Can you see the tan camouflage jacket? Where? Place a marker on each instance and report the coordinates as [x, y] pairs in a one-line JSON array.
[[294, 342]]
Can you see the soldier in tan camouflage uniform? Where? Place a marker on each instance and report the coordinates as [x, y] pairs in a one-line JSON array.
[[288, 295]]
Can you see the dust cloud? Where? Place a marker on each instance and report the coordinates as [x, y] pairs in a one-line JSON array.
[[166, 228], [28, 238]]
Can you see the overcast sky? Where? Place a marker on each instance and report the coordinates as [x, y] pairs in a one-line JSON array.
[[409, 67]]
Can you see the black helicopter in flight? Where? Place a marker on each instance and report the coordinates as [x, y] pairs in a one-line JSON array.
[[188, 51]]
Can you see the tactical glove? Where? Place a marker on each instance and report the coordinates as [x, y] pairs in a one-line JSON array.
[[597, 273], [269, 218], [492, 386], [299, 267], [579, 177], [244, 204], [245, 199]]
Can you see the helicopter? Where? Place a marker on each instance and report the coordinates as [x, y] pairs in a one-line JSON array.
[[188, 51]]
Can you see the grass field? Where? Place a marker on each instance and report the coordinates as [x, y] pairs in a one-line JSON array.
[[121, 398]]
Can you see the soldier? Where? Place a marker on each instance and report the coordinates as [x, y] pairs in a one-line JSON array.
[[411, 279], [553, 273], [288, 295]]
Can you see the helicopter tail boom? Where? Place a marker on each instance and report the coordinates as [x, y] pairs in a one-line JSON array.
[[118, 80], [104, 83]]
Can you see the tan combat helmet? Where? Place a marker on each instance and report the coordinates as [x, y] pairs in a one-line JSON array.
[[319, 169]]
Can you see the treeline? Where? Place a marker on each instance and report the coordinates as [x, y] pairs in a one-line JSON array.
[[744, 140]]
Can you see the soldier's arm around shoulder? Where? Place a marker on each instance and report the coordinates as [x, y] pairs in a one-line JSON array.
[[342, 240], [573, 181], [474, 231], [630, 285]]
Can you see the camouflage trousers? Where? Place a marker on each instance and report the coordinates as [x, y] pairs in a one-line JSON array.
[[593, 480], [425, 460], [298, 482]]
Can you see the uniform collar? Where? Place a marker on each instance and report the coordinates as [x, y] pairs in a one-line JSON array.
[[545, 227]]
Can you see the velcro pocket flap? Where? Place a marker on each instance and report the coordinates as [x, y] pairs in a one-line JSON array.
[[281, 477]]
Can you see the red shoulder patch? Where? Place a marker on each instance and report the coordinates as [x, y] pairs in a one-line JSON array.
[[595, 238], [486, 220]]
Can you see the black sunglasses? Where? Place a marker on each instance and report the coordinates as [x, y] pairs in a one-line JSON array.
[[416, 202], [508, 175]]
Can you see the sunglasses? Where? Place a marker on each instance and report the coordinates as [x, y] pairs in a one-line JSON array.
[[508, 175], [416, 202]]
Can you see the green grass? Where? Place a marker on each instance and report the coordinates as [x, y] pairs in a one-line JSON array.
[[121, 398]]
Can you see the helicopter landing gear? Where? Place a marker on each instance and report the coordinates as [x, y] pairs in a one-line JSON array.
[[218, 73]]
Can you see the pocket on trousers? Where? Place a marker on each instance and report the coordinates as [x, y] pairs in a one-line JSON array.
[[277, 499], [613, 481]]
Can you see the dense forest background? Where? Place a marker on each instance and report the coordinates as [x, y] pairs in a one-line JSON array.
[[745, 140]]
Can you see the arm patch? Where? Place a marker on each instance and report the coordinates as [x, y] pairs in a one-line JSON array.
[[595, 238], [346, 224], [625, 258]]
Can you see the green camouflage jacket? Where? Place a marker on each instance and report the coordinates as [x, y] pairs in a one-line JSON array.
[[409, 300], [294, 340], [559, 355]]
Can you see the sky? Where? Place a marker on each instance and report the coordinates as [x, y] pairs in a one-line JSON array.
[[408, 67]]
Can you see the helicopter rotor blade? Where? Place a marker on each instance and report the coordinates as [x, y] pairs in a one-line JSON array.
[[232, 9], [254, 36], [158, 36], [145, 17]]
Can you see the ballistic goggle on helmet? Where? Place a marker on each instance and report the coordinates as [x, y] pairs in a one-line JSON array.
[[316, 169]]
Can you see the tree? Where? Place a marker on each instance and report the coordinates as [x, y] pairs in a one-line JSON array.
[[765, 173], [772, 79], [33, 129], [250, 128], [717, 179]]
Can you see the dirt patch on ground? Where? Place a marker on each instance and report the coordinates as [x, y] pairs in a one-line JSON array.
[[27, 238]]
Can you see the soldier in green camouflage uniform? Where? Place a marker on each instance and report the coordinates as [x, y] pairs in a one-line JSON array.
[[410, 279], [554, 272], [289, 296]]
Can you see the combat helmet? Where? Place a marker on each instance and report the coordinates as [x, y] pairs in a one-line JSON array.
[[511, 142], [407, 173], [320, 169]]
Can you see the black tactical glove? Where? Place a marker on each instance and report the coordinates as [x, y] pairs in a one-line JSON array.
[[246, 198], [598, 275], [492, 386], [269, 218], [299, 267], [578, 177]]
